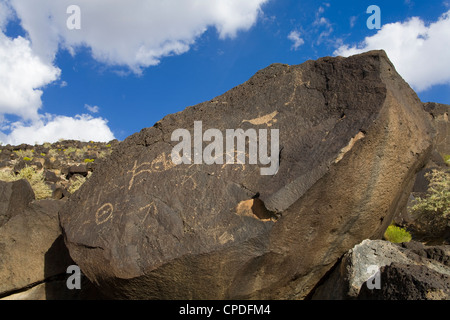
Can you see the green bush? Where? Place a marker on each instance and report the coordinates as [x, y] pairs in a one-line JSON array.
[[69, 150], [24, 153], [397, 235], [447, 158], [27, 159], [88, 160], [7, 175], [437, 199]]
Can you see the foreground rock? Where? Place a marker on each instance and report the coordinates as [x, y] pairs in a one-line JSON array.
[[410, 271], [33, 256], [29, 251], [14, 198], [352, 135]]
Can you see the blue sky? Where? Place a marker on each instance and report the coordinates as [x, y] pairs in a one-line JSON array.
[[130, 65]]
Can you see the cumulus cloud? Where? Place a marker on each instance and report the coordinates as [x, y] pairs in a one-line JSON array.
[[51, 128], [136, 33], [419, 51], [21, 77], [295, 37], [5, 14]]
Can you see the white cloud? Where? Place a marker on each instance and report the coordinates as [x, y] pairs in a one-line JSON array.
[[353, 21], [418, 51], [22, 75], [52, 128], [136, 33], [93, 109], [5, 14], [294, 36], [322, 23]]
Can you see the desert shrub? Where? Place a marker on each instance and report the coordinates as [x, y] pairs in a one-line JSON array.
[[437, 199], [24, 153], [27, 159], [105, 153], [36, 180], [76, 183], [52, 153], [70, 150], [81, 151], [396, 234], [88, 160], [7, 175], [447, 158]]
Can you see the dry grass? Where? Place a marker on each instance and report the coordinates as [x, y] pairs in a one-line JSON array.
[[35, 178]]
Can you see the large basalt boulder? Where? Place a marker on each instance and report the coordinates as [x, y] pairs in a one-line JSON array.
[[30, 251], [425, 277], [408, 271], [352, 135]]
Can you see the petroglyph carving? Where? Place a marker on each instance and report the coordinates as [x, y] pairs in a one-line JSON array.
[[159, 164], [104, 213], [268, 120]]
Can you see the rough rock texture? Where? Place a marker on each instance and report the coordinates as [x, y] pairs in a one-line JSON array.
[[352, 136], [14, 198], [425, 277], [33, 256], [29, 250], [409, 282], [440, 118], [407, 271]]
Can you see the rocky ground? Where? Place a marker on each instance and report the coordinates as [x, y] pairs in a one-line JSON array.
[[141, 228], [35, 182], [63, 165]]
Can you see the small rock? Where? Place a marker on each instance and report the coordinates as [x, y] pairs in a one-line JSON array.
[[50, 176], [60, 193]]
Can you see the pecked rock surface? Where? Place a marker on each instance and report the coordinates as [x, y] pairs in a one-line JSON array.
[[352, 135]]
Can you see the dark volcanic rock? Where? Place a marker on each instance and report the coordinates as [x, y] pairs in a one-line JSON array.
[[409, 271], [409, 282], [78, 169], [25, 243], [440, 115], [352, 135], [50, 176], [14, 198]]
